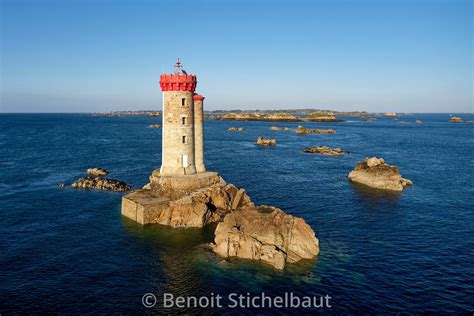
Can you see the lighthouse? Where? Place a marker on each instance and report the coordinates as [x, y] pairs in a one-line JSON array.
[[182, 172], [183, 143]]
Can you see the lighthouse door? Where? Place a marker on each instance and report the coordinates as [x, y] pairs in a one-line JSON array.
[[185, 161]]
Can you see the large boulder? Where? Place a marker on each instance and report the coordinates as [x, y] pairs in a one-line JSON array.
[[375, 173], [266, 234], [97, 172], [202, 207]]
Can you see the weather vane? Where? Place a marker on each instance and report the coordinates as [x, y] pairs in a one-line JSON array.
[[178, 68]]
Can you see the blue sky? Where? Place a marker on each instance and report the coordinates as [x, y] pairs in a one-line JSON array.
[[80, 56]]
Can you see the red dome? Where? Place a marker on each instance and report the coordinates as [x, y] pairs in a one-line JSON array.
[[198, 97]]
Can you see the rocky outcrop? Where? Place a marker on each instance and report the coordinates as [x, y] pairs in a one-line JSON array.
[[97, 172], [186, 201], [280, 117], [262, 141], [353, 113], [266, 234], [241, 116], [375, 173], [202, 207], [324, 150], [98, 183], [455, 119], [303, 130], [154, 126], [261, 233], [418, 122], [322, 117], [277, 128], [236, 129], [391, 114]]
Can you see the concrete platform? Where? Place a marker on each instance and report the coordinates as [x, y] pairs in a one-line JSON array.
[[146, 206], [141, 205]]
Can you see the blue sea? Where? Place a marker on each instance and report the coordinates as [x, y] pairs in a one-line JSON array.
[[71, 251]]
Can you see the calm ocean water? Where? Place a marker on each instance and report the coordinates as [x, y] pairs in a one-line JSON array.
[[70, 251]]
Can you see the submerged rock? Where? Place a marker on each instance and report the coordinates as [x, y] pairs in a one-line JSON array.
[[262, 141], [375, 173], [98, 183], [266, 234], [324, 150], [277, 128], [418, 122], [303, 130], [236, 129], [97, 172]]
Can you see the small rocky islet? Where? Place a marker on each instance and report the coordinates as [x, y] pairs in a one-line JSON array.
[[456, 119], [303, 130], [324, 150], [98, 183], [375, 173], [263, 141], [95, 181], [322, 116]]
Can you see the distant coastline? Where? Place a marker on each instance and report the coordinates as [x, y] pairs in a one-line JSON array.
[[290, 115], [295, 115], [128, 113]]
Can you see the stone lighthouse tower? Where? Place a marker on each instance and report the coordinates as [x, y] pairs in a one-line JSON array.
[[182, 172], [182, 152]]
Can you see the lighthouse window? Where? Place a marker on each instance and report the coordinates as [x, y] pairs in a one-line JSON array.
[[183, 120], [184, 139], [183, 101]]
